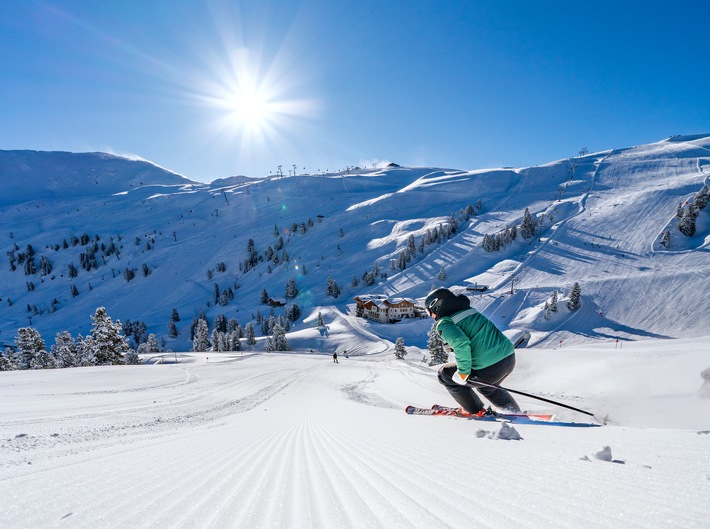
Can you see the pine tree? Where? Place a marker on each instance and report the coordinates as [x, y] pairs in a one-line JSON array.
[[29, 346], [132, 358], [107, 339], [172, 329], [702, 198], [291, 288], [85, 351], [319, 320], [399, 350], [527, 226], [687, 221], [250, 334], [152, 342], [666, 239], [442, 273], [575, 298], [436, 348], [65, 350], [216, 341], [264, 297], [553, 301], [279, 338], [175, 316], [269, 344], [293, 312], [7, 361], [43, 360], [234, 343], [200, 343]]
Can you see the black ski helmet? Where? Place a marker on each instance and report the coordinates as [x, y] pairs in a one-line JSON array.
[[436, 299]]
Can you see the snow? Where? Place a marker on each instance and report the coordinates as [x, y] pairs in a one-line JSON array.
[[256, 439]]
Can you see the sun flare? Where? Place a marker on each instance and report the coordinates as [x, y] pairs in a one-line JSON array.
[[250, 108]]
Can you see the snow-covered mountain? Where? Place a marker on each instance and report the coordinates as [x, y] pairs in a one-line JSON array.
[[256, 439], [601, 218]]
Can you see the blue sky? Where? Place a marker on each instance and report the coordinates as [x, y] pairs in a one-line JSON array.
[[212, 89]]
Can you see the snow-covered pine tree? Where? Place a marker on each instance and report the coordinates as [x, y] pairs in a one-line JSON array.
[[332, 288], [513, 232], [193, 328], [488, 243], [7, 361], [201, 342], [250, 334], [65, 350], [319, 320], [233, 339], [29, 345], [85, 352], [399, 350], [575, 297], [224, 298], [43, 360], [291, 288], [666, 239], [527, 226], [702, 197], [293, 312], [279, 338], [269, 344], [436, 348], [132, 358], [553, 301], [152, 342], [216, 341], [232, 324], [266, 326], [220, 323], [687, 221], [264, 297], [107, 339], [172, 329], [442, 273], [547, 310]]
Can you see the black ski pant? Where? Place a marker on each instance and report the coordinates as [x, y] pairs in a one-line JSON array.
[[468, 399]]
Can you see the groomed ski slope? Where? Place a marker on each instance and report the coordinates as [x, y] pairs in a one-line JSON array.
[[294, 440]]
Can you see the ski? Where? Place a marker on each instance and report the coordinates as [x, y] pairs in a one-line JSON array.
[[519, 418], [495, 416], [531, 416]]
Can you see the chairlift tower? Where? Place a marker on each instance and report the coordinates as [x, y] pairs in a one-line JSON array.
[[513, 280]]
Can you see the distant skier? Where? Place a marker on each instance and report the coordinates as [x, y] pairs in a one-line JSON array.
[[335, 357], [482, 352]]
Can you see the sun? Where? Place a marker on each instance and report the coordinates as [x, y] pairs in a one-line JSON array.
[[255, 93], [250, 108]]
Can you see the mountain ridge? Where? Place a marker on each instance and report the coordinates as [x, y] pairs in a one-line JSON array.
[[601, 217]]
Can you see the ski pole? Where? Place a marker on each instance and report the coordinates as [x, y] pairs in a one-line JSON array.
[[476, 381]]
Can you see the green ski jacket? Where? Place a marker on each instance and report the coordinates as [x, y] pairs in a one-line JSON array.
[[477, 343]]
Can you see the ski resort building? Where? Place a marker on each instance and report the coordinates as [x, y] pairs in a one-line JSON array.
[[385, 310]]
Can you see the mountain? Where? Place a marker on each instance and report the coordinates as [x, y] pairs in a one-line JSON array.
[[600, 219]]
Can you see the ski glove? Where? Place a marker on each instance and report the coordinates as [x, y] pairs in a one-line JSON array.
[[459, 378]]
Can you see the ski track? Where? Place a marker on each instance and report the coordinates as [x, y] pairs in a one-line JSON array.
[[301, 451]]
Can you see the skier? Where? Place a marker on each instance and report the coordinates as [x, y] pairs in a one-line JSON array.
[[335, 357], [482, 353]]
